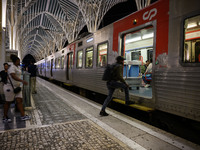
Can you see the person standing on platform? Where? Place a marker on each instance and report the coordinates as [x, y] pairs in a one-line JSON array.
[[4, 77], [116, 81], [14, 81], [32, 69]]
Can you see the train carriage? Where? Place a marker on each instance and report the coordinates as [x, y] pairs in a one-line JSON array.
[[168, 32]]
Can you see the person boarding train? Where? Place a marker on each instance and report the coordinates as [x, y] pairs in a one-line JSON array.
[[115, 82]]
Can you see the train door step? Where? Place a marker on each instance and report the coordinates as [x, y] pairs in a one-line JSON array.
[[136, 106]]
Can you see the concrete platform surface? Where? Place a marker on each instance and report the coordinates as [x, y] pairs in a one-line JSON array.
[[64, 120]]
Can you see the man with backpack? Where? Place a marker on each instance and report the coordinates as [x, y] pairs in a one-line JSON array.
[[114, 77]]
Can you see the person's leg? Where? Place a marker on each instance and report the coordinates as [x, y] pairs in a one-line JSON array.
[[34, 85], [6, 108], [21, 109], [108, 99], [123, 86], [9, 97], [126, 93], [145, 81], [20, 106]]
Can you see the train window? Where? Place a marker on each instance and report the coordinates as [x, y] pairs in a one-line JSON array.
[[62, 62], [48, 64], [59, 63], [89, 57], [80, 44], [138, 45], [102, 54], [80, 59], [191, 50]]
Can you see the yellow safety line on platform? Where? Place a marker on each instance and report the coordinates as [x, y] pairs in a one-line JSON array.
[[67, 84], [143, 108]]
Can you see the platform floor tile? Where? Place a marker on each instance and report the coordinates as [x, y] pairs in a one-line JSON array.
[[76, 135]]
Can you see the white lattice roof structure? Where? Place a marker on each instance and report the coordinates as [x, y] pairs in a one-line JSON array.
[[38, 27]]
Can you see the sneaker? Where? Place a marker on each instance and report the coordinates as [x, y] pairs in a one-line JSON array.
[[103, 113], [7, 120], [147, 85], [129, 102], [26, 117]]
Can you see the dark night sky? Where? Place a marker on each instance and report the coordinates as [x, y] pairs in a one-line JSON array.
[[115, 13]]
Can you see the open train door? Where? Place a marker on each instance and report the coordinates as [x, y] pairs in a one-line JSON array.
[[138, 48], [69, 66]]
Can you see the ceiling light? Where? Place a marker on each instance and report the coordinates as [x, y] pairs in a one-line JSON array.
[[146, 36], [133, 39], [191, 25]]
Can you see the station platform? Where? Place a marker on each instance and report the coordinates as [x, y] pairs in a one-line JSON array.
[[63, 120]]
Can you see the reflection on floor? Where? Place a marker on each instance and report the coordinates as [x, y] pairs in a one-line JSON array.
[[142, 92], [14, 116]]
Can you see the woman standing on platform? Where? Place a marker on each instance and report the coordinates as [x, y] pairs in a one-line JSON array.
[[14, 81]]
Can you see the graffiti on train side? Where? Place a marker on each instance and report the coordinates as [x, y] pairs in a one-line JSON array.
[[161, 61], [111, 57]]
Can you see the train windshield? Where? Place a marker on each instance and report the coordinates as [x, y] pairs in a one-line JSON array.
[[192, 40], [138, 51]]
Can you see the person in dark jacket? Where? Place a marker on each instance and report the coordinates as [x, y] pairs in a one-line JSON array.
[[4, 73], [32, 69], [4, 77], [117, 81]]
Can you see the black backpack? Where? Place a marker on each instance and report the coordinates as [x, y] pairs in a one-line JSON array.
[[107, 75]]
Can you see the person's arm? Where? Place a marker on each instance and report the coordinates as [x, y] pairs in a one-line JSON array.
[[148, 69], [120, 74], [18, 79]]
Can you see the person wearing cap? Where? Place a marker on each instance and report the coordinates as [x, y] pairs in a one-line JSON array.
[[117, 81]]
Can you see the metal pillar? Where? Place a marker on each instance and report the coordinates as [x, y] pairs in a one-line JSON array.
[[3, 51]]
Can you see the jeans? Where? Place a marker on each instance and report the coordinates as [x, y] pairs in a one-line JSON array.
[[148, 76], [112, 85]]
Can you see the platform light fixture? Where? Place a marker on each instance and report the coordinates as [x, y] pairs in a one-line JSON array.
[[90, 40], [4, 4]]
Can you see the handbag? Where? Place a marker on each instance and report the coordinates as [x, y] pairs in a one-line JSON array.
[[17, 89]]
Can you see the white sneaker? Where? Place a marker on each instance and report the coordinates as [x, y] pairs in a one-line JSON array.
[[147, 85], [7, 120], [26, 117]]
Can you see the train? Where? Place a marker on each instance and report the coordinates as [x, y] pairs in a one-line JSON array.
[[167, 31]]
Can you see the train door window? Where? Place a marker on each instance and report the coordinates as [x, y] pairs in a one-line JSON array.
[[191, 50], [102, 54], [62, 62], [89, 57], [48, 64], [80, 59], [56, 61], [70, 60]]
